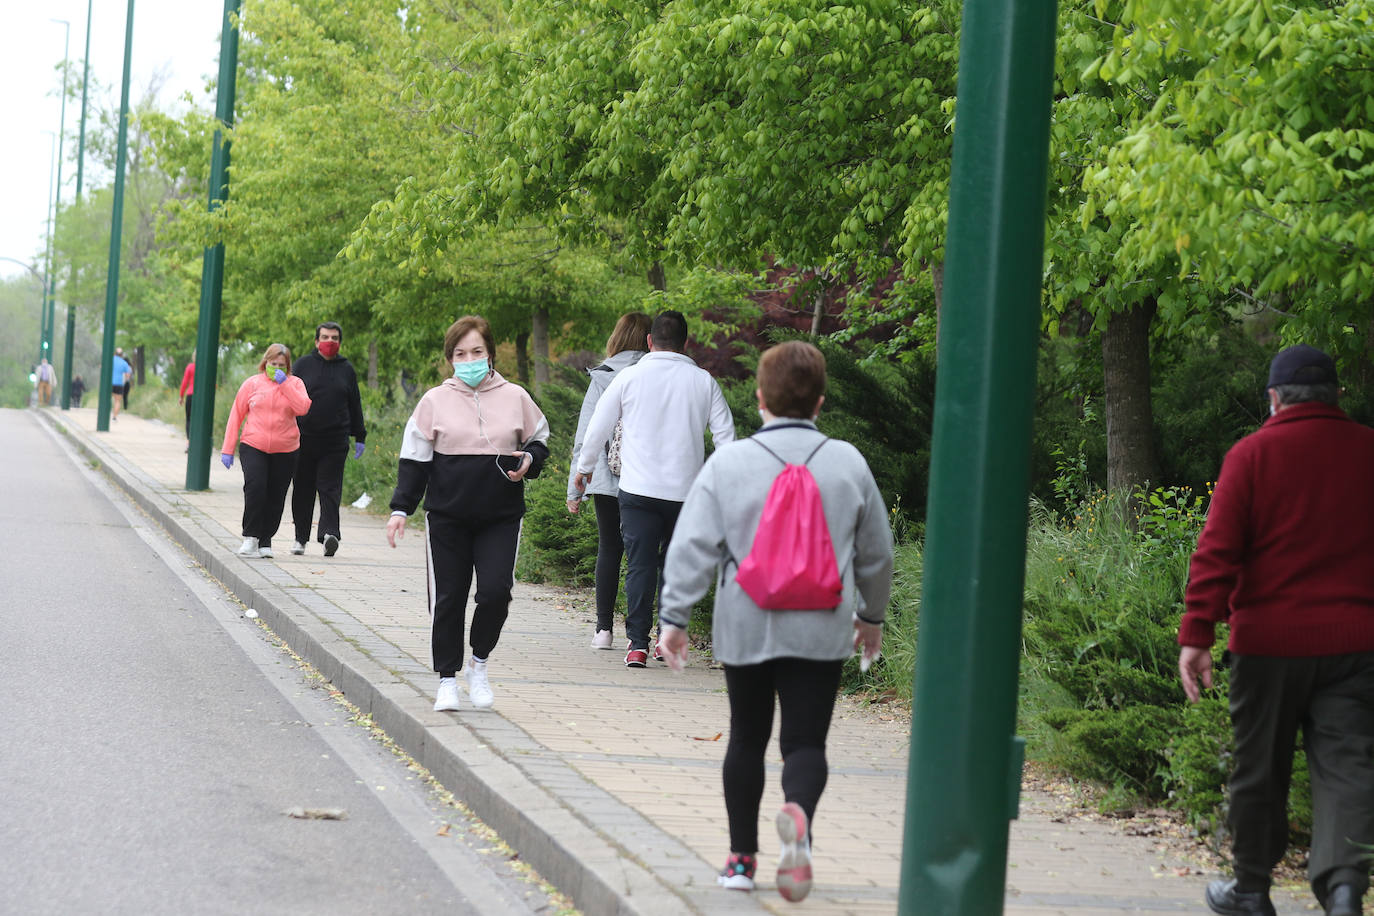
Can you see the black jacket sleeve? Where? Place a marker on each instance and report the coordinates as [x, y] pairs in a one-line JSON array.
[[355, 409], [539, 453], [412, 478]]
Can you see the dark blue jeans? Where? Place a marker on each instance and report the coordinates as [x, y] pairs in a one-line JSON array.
[[646, 526]]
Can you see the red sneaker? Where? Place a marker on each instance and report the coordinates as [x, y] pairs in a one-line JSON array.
[[637, 658]]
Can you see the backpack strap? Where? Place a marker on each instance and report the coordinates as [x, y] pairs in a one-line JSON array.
[[755, 439]]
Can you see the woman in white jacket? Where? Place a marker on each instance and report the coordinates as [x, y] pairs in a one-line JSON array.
[[625, 346]]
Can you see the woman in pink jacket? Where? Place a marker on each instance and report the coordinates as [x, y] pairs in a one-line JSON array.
[[266, 409]]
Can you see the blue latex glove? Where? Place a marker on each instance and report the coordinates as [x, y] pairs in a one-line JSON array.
[[358, 449], [279, 376], [227, 461]]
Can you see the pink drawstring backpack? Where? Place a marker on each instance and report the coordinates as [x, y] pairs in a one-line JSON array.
[[791, 564]]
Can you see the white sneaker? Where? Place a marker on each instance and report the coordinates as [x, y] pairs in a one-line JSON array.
[[446, 700], [794, 862], [265, 552], [602, 639], [249, 548], [331, 545], [297, 548], [479, 691]]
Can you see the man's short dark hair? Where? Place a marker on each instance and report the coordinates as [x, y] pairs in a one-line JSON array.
[[331, 325], [1302, 394], [669, 331]]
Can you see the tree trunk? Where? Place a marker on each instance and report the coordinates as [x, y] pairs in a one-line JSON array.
[[658, 278], [1131, 460], [817, 312], [139, 372], [372, 364], [540, 328], [522, 357]]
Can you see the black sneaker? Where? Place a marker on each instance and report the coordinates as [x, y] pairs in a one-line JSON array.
[[738, 874], [331, 545], [1222, 897]]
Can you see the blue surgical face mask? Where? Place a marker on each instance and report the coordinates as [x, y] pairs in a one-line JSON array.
[[471, 372]]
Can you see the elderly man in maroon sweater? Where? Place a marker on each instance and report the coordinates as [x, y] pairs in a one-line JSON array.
[[1286, 560]]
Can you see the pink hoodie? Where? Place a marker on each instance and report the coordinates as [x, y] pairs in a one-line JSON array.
[[270, 411]]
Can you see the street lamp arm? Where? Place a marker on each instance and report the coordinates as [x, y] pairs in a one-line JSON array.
[[29, 267]]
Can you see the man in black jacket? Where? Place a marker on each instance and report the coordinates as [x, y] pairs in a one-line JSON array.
[[336, 413]]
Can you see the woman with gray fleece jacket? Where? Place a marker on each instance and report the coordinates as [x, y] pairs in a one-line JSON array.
[[624, 348], [795, 655]]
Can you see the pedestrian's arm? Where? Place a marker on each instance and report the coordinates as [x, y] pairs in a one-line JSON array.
[[721, 421], [416, 463], [355, 410], [1219, 559], [296, 397], [602, 424], [872, 554], [537, 444], [695, 551], [237, 414], [584, 419]]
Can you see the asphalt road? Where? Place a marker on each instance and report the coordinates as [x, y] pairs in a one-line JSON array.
[[153, 737]]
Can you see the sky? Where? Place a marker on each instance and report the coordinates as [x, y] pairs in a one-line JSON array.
[[178, 39]]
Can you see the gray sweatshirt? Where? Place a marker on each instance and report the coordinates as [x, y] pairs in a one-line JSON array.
[[716, 530], [603, 481]]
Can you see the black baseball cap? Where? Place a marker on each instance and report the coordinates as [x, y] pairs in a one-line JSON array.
[[1302, 365]]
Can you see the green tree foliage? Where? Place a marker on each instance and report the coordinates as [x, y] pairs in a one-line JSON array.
[[1252, 167]]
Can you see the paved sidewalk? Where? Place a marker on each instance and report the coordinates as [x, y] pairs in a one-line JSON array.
[[605, 779]]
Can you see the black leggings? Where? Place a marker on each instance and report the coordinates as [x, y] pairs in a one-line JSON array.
[[609, 550], [454, 551], [266, 478], [806, 691]]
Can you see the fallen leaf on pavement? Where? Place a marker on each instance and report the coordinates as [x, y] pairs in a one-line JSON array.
[[716, 738], [317, 814]]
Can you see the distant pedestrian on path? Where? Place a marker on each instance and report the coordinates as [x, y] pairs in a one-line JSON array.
[[128, 380], [46, 377], [627, 343], [78, 390], [336, 412], [794, 656], [466, 451], [120, 373], [185, 393], [266, 407], [1286, 561], [664, 404]]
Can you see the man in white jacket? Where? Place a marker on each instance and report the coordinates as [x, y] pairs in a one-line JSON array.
[[664, 403]]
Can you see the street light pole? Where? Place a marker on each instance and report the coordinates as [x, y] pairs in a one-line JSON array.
[[102, 420], [50, 310], [80, 156], [212, 268], [47, 253]]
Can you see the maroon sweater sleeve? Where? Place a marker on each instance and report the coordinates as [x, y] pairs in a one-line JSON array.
[[1220, 556]]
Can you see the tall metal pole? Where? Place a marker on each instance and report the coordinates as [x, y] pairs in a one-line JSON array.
[[212, 269], [965, 763], [80, 157], [47, 253], [50, 312], [102, 422]]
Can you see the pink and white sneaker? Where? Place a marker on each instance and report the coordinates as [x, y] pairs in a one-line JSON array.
[[794, 862]]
